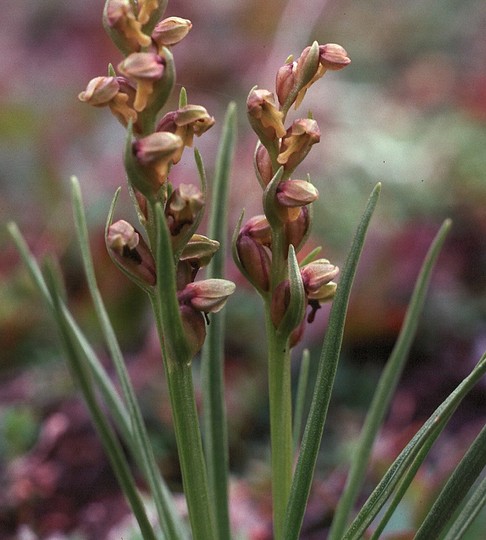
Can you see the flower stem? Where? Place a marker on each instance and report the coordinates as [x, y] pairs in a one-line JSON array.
[[280, 422], [188, 436]]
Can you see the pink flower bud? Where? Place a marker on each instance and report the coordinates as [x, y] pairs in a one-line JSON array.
[[333, 56], [144, 68], [296, 230], [194, 328], [208, 295], [285, 81], [170, 31], [155, 153], [263, 165], [280, 302], [130, 252], [258, 229], [294, 193], [255, 260], [316, 274]]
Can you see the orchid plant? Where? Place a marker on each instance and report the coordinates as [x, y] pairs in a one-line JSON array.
[[164, 254]]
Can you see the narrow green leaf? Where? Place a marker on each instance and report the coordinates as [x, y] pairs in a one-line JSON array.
[[386, 388], [300, 396], [167, 513], [468, 514], [296, 308], [107, 435], [456, 488], [324, 381], [212, 362], [431, 429]]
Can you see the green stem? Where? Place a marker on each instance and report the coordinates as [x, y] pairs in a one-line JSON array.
[[188, 437], [279, 382]]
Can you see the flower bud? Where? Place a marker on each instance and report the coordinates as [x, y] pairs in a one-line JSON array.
[[292, 195], [280, 302], [194, 328], [183, 207], [144, 68], [208, 295], [297, 142], [255, 261], [186, 122], [296, 231], [114, 92], [333, 57], [152, 156], [317, 274], [123, 27], [263, 165], [130, 252], [258, 229], [285, 81], [199, 251], [170, 31], [100, 91], [265, 119]]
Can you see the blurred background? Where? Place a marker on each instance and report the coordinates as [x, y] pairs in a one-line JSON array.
[[409, 112]]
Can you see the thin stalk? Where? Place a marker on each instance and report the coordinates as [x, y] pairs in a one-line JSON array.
[[279, 380], [177, 363]]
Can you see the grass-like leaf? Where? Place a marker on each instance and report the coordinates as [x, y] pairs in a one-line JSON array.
[[386, 388], [395, 474], [454, 491], [167, 513], [105, 431], [212, 362], [468, 513], [300, 396], [324, 382]]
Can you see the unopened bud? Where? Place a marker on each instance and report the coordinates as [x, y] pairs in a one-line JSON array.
[[170, 31], [333, 57], [280, 302], [144, 68], [264, 116], [316, 274], [296, 231], [199, 251], [194, 328], [292, 195], [285, 81], [258, 229], [130, 252], [263, 165], [255, 261], [153, 156], [208, 295], [296, 144]]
